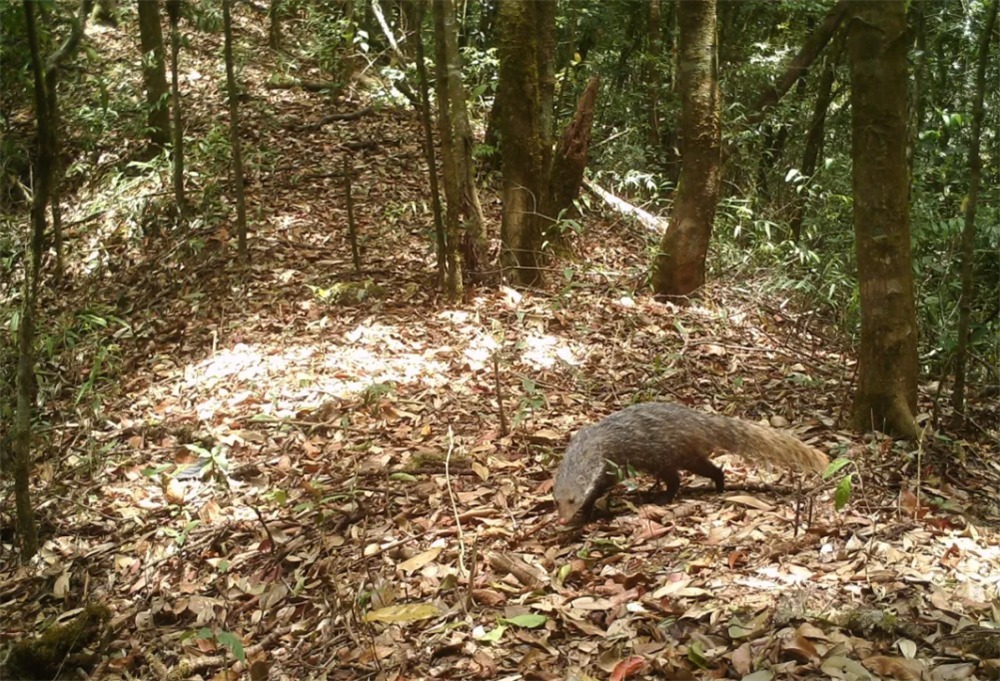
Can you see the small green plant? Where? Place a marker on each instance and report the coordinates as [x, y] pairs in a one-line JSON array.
[[531, 399], [223, 639], [180, 537], [214, 462], [374, 393], [843, 492]]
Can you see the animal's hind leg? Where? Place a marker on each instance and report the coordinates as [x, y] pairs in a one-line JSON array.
[[707, 469]]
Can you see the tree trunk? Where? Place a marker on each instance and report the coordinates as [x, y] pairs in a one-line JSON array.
[[26, 386], [472, 233], [814, 141], [526, 47], [800, 64], [449, 144], [52, 72], [429, 152], [886, 397], [654, 51], [153, 74], [274, 25], [969, 231], [174, 11], [234, 132], [570, 158], [917, 95], [679, 269], [106, 12]]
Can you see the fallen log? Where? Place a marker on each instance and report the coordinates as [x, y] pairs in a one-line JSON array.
[[645, 218]]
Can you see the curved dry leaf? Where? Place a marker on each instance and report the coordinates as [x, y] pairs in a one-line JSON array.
[[405, 612], [414, 563], [895, 667], [752, 502]]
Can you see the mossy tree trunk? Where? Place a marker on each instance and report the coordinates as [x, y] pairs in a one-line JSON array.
[[527, 46], [153, 73], [679, 268], [886, 397]]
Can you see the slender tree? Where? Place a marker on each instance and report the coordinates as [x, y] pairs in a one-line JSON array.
[[53, 68], [153, 73], [814, 138], [466, 226], [26, 385], [274, 25], [527, 46], [652, 76], [174, 9], [449, 161], [886, 396], [429, 152], [234, 131], [969, 231], [679, 268]]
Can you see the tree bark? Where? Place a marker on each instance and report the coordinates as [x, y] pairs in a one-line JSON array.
[[234, 133], [654, 51], [52, 73], [570, 158], [449, 163], [429, 152], [471, 230], [526, 47], [274, 25], [814, 141], [679, 268], [26, 527], [969, 231], [174, 11], [106, 12], [800, 64], [886, 396], [153, 73]]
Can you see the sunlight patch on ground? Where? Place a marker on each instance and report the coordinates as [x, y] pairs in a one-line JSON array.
[[285, 380], [542, 351]]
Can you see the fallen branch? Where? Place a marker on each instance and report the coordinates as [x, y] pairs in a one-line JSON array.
[[648, 220]]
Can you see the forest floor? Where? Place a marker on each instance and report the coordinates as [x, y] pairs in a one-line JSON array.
[[309, 466]]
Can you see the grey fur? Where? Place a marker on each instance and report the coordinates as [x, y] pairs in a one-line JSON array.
[[662, 438]]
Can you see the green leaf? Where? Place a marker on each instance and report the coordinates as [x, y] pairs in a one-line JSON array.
[[527, 621], [697, 656], [402, 477], [201, 451], [835, 465], [156, 470], [494, 635], [234, 644], [843, 493]]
